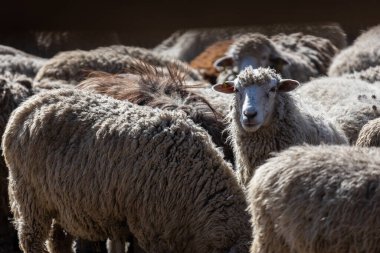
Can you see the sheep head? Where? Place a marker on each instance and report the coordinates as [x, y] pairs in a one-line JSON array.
[[255, 95], [254, 50]]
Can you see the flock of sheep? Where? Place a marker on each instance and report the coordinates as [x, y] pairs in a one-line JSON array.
[[254, 139]]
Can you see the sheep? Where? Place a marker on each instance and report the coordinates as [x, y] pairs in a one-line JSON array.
[[351, 103], [14, 89], [297, 56], [101, 167], [17, 62], [317, 199], [204, 62], [73, 66], [165, 89], [362, 54], [186, 45], [371, 75], [369, 135], [265, 118]]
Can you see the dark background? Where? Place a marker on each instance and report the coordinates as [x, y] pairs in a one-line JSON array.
[[148, 22]]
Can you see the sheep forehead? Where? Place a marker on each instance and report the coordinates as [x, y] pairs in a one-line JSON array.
[[259, 76]]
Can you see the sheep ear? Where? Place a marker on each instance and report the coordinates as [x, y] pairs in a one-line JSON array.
[[226, 87], [223, 62], [287, 85], [278, 63]]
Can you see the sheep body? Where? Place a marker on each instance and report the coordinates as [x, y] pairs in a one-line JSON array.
[[73, 66], [317, 199], [369, 135], [186, 45], [362, 54], [153, 173], [351, 103]]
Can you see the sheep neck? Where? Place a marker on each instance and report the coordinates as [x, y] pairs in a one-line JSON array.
[[253, 148]]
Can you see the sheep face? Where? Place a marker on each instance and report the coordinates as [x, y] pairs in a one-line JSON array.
[[255, 95], [254, 50]]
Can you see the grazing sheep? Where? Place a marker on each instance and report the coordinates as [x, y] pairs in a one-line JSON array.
[[13, 90], [317, 199], [101, 167], [186, 45], [73, 66], [362, 54], [264, 118], [165, 89], [369, 135], [204, 62], [295, 56], [371, 75], [18, 62], [352, 103]]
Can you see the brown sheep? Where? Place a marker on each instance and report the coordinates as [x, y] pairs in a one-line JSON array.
[[204, 62]]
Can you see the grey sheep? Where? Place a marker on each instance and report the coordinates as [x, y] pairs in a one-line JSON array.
[[371, 75], [317, 199], [17, 62], [297, 56], [102, 168], [74, 66], [165, 89], [369, 135], [351, 103], [265, 118], [14, 89], [362, 54], [186, 45]]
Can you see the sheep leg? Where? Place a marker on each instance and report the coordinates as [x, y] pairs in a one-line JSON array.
[[116, 246], [60, 241], [32, 234]]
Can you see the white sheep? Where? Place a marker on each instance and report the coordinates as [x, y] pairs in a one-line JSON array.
[[102, 168], [297, 56], [317, 199], [265, 118], [369, 135], [362, 54], [351, 103], [186, 45]]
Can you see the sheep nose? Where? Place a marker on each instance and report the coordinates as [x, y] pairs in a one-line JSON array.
[[250, 114]]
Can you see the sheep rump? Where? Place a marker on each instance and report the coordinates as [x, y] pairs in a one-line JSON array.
[[317, 199], [77, 141]]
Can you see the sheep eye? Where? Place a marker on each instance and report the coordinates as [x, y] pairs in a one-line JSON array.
[[273, 89]]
